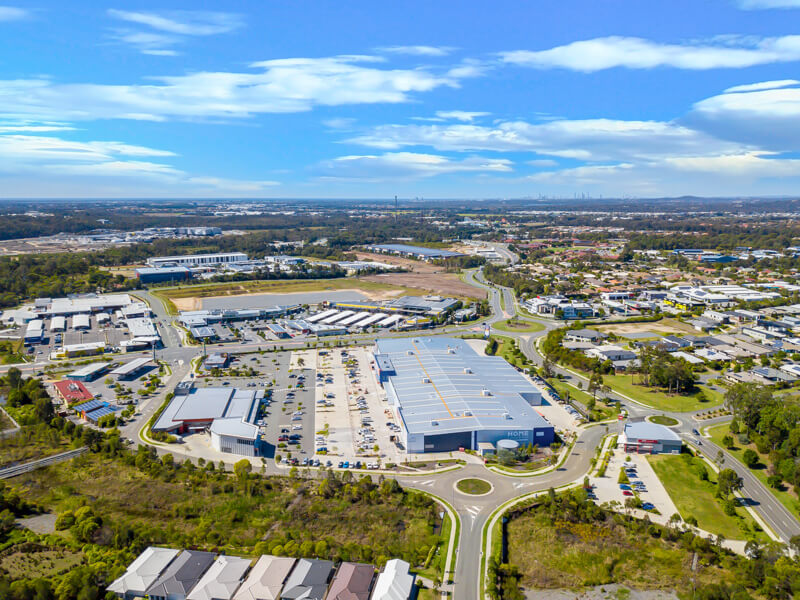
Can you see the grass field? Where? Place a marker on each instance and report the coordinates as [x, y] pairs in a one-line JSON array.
[[514, 325], [42, 563], [661, 400], [663, 420], [474, 486], [695, 498], [276, 286], [784, 495]]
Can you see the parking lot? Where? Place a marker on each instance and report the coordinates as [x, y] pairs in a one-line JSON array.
[[644, 483], [353, 419]]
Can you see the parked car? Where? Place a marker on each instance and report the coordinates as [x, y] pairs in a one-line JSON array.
[[627, 493]]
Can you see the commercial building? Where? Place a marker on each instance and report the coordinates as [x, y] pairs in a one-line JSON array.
[[266, 579], [180, 576], [94, 410], [89, 372], [217, 360], [88, 303], [418, 252], [72, 391], [197, 259], [228, 415], [80, 322], [34, 331], [142, 573], [131, 369], [395, 583], [58, 324], [446, 396], [163, 274], [72, 350], [644, 437]]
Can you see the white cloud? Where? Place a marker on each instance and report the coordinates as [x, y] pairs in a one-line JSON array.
[[195, 23], [278, 86], [339, 123], [32, 159], [12, 13], [764, 85], [767, 118], [766, 4], [418, 50], [637, 53], [171, 28], [401, 165], [543, 162], [461, 115], [589, 140]]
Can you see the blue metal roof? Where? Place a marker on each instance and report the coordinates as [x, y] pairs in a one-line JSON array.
[[89, 405], [442, 385], [99, 413]]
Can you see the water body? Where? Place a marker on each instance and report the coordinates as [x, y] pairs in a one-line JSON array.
[[269, 300]]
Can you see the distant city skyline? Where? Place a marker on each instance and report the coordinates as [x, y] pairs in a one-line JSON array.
[[419, 99]]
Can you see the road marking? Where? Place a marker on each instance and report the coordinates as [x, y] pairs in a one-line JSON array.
[[428, 482], [521, 484]]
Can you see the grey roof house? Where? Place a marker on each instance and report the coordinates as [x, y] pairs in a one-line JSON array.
[[181, 576], [308, 581]]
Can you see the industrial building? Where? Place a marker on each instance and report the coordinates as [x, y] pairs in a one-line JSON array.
[[446, 396], [644, 437], [131, 370], [89, 372], [163, 274], [81, 322], [89, 303], [418, 252], [413, 305], [228, 415], [34, 332], [198, 260]]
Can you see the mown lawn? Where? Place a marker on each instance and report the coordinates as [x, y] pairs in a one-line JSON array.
[[695, 498], [512, 325], [784, 495], [654, 398]]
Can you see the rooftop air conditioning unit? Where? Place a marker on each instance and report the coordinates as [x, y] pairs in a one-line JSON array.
[[434, 423], [426, 380], [507, 416], [409, 352], [467, 370], [467, 413], [485, 392], [451, 350]]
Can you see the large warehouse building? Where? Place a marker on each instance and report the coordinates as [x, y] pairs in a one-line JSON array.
[[447, 396], [197, 260]]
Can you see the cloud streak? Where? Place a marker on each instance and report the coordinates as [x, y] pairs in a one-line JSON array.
[[12, 13], [611, 52]]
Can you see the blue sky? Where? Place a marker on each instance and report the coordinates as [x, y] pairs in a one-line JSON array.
[[450, 99]]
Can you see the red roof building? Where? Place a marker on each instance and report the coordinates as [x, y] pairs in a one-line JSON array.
[[72, 391]]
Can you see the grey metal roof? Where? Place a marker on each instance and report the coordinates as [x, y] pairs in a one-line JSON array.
[[182, 574], [442, 385], [130, 367], [204, 403], [419, 250], [644, 430], [143, 571], [309, 580]]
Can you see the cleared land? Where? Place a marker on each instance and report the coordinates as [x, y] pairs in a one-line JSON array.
[[785, 495], [442, 284], [665, 326], [703, 397], [695, 498], [189, 297]]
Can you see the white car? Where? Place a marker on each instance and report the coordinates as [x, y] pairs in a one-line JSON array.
[[296, 427]]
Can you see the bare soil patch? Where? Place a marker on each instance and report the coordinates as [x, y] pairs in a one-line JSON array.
[[444, 284]]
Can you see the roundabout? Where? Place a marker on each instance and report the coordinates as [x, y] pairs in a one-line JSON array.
[[663, 420], [473, 486]]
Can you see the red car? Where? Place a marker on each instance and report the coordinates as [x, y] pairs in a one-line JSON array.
[[283, 438], [627, 493]]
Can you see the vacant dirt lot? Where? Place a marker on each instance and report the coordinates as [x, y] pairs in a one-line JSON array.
[[666, 326], [444, 284]]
